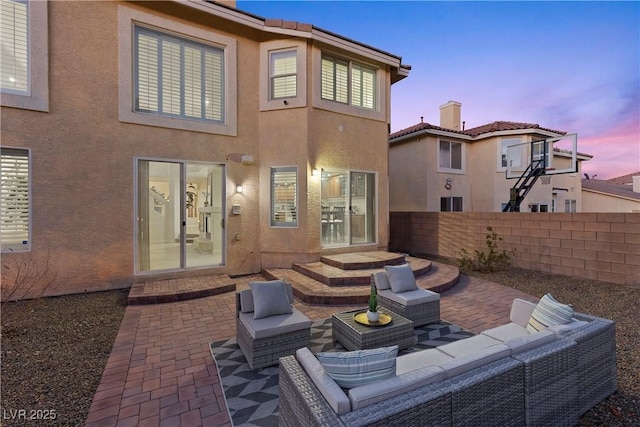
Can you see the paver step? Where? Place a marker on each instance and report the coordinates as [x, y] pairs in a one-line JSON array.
[[439, 278], [171, 290], [363, 260]]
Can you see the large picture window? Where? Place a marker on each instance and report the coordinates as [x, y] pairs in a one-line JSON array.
[[348, 83], [284, 196], [178, 77], [14, 199]]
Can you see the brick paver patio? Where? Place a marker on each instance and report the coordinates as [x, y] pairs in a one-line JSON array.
[[161, 373]]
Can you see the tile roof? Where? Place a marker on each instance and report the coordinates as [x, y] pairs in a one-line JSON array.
[[624, 179], [602, 186], [477, 131]]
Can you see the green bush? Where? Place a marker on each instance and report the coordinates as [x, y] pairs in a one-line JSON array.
[[491, 260]]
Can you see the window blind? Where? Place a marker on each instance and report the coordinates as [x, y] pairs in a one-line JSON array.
[[178, 77], [283, 74], [362, 84], [284, 191], [14, 36], [14, 197], [335, 80]]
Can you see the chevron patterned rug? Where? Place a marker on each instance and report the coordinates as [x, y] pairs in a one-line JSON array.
[[252, 396]]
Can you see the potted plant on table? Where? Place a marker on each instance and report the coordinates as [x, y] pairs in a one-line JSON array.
[[372, 313]]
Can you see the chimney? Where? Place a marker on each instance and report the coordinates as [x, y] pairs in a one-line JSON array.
[[636, 184], [450, 115]]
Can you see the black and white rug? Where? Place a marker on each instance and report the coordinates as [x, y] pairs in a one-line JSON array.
[[252, 396]]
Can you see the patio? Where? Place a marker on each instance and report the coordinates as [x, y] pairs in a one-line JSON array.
[[160, 371]]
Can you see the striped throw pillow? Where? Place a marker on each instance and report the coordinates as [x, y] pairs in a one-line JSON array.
[[355, 368], [549, 312]]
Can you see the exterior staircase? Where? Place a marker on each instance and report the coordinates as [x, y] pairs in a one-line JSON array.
[[345, 279]]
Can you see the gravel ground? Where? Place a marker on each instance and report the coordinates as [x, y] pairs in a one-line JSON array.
[[54, 350]]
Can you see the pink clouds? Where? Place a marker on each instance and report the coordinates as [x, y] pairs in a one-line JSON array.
[[615, 153]]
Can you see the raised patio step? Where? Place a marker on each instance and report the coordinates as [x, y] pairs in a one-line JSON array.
[[182, 289], [335, 276], [363, 260]]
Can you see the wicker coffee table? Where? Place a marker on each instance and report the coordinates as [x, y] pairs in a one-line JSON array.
[[356, 336]]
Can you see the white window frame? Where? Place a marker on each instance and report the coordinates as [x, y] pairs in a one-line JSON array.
[[451, 200], [381, 87], [24, 244], [462, 157], [36, 97], [570, 205], [300, 100], [275, 76], [179, 83], [353, 69], [273, 216], [127, 19], [502, 151]]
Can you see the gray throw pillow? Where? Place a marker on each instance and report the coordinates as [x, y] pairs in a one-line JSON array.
[[355, 368], [401, 278], [269, 298]]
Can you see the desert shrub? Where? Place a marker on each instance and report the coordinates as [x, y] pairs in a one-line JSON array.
[[493, 259]]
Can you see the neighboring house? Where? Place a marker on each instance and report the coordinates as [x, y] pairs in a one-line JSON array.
[[146, 140], [620, 194], [447, 168]]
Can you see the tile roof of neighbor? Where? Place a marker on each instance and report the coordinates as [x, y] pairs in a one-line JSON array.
[[477, 131], [624, 179], [602, 186]]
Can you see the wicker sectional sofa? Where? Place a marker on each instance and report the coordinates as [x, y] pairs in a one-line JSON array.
[[550, 379]]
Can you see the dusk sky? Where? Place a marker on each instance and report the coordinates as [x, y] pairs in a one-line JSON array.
[[570, 66]]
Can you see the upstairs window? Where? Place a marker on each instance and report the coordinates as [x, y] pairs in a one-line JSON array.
[[14, 199], [450, 156], [283, 74], [177, 77], [14, 21], [284, 196], [348, 83]]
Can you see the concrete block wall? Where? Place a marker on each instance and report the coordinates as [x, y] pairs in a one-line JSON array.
[[600, 246]]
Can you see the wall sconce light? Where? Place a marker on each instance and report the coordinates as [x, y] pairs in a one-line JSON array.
[[448, 184], [239, 188], [315, 172]]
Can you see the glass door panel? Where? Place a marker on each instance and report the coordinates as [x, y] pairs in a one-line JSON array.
[[334, 198], [159, 214], [362, 207], [204, 214], [180, 215]]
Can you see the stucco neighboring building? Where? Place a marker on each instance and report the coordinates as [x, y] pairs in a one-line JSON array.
[[165, 139], [620, 194], [449, 168]]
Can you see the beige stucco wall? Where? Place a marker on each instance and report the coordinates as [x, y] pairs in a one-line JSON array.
[[83, 156], [593, 201], [482, 185]]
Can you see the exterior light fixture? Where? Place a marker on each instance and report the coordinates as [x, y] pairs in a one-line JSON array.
[[239, 188], [315, 172]]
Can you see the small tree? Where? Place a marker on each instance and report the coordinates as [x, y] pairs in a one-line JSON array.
[[491, 260], [373, 299]]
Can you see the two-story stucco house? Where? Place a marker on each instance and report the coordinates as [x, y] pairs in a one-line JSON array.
[[178, 138], [449, 168]]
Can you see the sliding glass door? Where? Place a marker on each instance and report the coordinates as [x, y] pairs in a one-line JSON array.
[[348, 207], [180, 221]]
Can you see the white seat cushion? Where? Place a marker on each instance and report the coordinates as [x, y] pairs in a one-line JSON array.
[[508, 331], [274, 325], [369, 394], [420, 359], [520, 344], [409, 298], [467, 346], [459, 365], [334, 395]]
